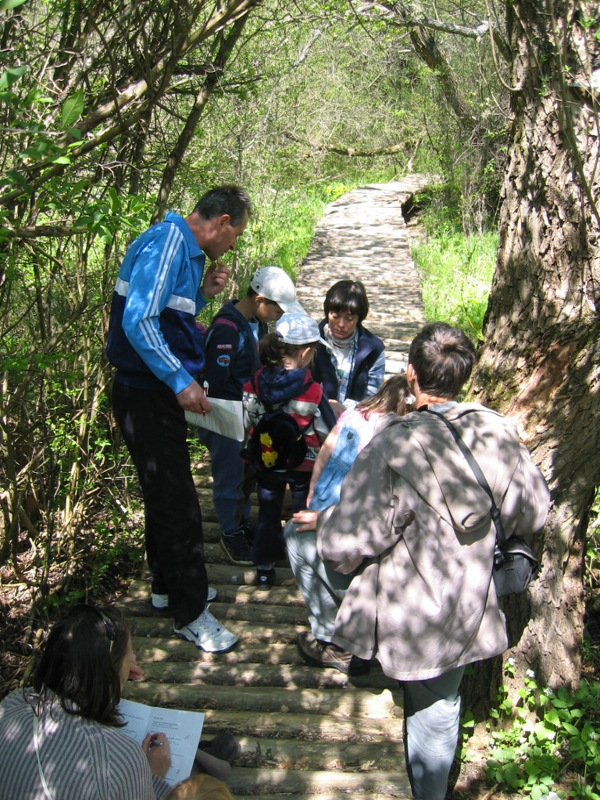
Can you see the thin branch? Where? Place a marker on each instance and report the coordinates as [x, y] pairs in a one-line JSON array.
[[404, 20]]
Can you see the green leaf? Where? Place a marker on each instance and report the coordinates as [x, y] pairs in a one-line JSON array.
[[35, 153], [577, 747], [587, 730], [570, 728], [114, 200], [61, 160], [468, 721], [11, 76], [552, 717], [6, 5], [531, 768], [19, 180], [543, 732], [72, 109]]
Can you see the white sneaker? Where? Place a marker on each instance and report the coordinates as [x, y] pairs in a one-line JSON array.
[[162, 600], [207, 634]]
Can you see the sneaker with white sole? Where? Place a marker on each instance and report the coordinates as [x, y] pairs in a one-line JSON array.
[[208, 634], [161, 601], [236, 548]]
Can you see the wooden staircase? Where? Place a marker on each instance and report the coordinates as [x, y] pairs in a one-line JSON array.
[[302, 730]]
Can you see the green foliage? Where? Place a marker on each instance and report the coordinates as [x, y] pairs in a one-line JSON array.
[[283, 233], [456, 271], [551, 734], [591, 585], [105, 550], [592, 556], [467, 726], [316, 98]]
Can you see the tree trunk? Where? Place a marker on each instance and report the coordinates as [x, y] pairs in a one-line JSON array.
[[540, 360]]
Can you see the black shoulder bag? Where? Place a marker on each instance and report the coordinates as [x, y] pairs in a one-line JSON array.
[[515, 564]]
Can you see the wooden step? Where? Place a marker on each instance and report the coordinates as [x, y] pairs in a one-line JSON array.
[[331, 701], [319, 755], [287, 594], [300, 782], [256, 673], [247, 631], [277, 725]]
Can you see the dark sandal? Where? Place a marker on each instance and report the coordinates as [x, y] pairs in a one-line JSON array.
[[265, 578]]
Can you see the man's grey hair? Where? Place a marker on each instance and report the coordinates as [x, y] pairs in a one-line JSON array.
[[227, 199]]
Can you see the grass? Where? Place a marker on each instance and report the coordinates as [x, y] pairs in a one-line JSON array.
[[456, 273]]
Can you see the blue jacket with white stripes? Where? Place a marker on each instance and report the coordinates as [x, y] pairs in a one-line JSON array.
[[153, 339]]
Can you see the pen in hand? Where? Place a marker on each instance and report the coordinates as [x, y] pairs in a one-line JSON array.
[[155, 743]]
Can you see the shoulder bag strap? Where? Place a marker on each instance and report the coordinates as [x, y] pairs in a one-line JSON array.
[[479, 477]]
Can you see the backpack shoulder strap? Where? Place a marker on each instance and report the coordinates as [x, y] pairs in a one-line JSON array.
[[218, 321], [223, 321]]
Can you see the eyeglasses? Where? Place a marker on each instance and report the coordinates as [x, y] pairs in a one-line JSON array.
[[108, 624]]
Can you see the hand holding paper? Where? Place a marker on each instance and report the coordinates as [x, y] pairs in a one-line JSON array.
[[226, 417]]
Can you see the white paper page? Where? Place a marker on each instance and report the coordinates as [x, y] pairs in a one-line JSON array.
[[182, 729], [226, 417], [136, 715]]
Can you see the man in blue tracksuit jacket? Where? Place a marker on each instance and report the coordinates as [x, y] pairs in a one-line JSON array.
[[157, 349]]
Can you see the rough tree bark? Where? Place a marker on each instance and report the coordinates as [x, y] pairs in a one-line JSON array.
[[540, 359]]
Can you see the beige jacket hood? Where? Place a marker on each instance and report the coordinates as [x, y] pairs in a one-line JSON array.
[[415, 526]]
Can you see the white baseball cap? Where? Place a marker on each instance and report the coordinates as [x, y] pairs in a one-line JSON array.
[[275, 284], [294, 328]]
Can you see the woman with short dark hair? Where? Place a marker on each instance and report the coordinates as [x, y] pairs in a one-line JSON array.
[[352, 366]]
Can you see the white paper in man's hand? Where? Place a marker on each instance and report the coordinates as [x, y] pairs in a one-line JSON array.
[[226, 417]]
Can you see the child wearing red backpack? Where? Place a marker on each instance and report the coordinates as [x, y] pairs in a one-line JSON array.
[[283, 450]]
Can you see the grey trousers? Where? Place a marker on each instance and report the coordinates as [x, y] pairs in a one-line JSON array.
[[431, 707], [323, 588], [431, 719]]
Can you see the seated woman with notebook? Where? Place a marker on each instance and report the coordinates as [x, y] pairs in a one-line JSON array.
[[65, 731]]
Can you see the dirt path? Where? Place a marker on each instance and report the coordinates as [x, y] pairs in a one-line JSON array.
[[303, 731]]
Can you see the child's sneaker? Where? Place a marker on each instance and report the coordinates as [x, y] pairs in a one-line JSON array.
[[236, 548], [161, 601], [265, 578], [207, 634]]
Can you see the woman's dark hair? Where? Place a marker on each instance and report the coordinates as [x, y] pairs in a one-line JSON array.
[[81, 663], [393, 397], [225, 200], [348, 296], [443, 359], [272, 350]]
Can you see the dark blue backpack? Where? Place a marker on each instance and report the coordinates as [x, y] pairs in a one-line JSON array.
[[277, 441]]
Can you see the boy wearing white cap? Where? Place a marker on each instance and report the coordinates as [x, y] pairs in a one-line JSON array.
[[231, 347]]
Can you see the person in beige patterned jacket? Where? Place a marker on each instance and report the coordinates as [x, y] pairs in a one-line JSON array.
[[401, 568]]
